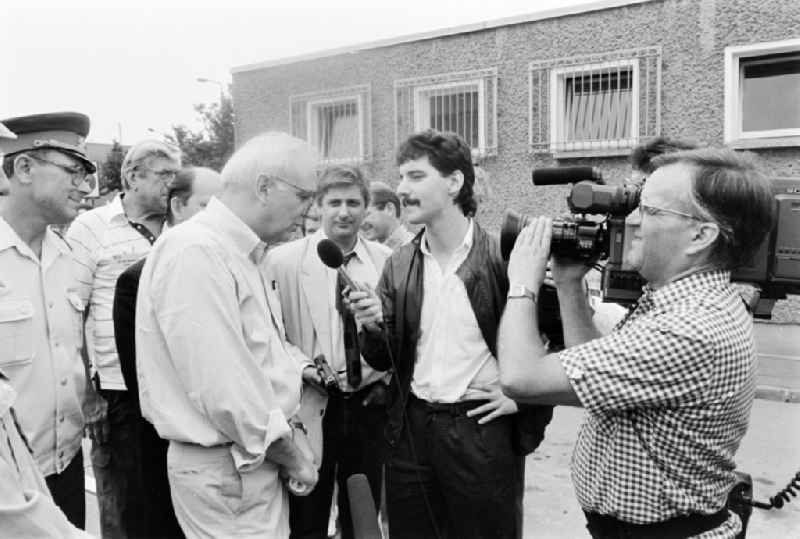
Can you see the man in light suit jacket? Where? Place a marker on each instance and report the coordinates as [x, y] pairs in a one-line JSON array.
[[344, 426]]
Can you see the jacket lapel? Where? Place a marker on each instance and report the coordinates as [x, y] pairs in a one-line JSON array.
[[314, 283]]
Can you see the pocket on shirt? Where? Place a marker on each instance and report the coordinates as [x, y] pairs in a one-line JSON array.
[[17, 345]]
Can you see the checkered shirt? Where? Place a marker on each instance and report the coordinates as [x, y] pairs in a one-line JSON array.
[[668, 396]]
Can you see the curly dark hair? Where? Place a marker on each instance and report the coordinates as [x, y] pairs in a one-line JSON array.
[[447, 152]]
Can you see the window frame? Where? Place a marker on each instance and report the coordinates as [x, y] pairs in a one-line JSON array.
[[313, 106], [734, 81], [558, 142], [422, 95]]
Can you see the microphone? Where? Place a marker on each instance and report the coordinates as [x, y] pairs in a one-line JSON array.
[[332, 256], [362, 508], [563, 175]]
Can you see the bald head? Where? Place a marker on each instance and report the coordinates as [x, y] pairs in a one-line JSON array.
[[271, 154]]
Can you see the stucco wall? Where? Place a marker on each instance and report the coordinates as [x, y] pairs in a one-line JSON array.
[[692, 35]]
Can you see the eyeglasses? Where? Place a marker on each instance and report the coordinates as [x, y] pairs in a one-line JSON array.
[[655, 210], [303, 194], [77, 174], [165, 175]]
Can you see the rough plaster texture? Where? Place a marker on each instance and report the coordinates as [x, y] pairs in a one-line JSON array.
[[692, 35]]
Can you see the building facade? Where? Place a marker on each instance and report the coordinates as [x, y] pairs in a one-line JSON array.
[[574, 86]]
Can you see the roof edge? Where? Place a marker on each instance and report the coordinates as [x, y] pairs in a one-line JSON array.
[[599, 5]]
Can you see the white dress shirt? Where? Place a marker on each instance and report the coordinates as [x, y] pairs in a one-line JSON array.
[[40, 342], [452, 356], [105, 244], [212, 364]]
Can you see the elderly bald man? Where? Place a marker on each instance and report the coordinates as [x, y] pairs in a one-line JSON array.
[[216, 376]]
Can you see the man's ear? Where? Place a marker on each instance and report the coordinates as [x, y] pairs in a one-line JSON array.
[[264, 185], [390, 209], [703, 237], [456, 182], [22, 169]]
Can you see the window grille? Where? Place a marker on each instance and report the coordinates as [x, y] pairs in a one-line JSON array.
[[602, 102], [335, 122], [464, 103]]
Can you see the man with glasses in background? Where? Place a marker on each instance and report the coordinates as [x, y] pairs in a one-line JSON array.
[[41, 313], [216, 375], [105, 241], [668, 393]]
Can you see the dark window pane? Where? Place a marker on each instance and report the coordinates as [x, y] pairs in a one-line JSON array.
[[771, 92]]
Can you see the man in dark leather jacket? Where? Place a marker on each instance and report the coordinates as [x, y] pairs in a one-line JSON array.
[[456, 443]]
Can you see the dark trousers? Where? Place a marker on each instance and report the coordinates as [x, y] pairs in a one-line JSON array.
[[352, 442], [451, 478], [131, 471], [68, 491]]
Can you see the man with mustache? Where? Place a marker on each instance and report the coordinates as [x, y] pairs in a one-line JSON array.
[[344, 425], [456, 466], [382, 220], [106, 241], [41, 336]]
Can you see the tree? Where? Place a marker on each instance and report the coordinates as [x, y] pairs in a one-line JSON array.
[[213, 144], [111, 169]]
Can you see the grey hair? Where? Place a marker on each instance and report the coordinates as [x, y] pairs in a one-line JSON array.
[[272, 154], [144, 150]]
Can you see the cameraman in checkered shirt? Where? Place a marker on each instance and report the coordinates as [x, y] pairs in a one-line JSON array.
[[668, 392]]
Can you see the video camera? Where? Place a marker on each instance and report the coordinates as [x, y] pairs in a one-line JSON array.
[[774, 270]]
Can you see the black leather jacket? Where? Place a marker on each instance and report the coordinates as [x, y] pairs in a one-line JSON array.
[[401, 291]]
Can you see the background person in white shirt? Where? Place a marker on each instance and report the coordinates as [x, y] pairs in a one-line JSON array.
[[106, 241], [345, 426], [40, 312], [216, 375]]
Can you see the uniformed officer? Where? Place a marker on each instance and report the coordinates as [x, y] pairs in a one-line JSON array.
[[41, 316]]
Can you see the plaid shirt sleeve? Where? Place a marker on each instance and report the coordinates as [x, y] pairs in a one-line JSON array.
[[651, 361]]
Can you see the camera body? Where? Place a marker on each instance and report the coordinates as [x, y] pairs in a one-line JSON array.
[[580, 237], [774, 269]]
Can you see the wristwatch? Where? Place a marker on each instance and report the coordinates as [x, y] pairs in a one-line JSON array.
[[516, 290]]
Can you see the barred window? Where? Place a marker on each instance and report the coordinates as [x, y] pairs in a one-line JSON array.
[[453, 108], [334, 129], [463, 102], [596, 104], [336, 122]]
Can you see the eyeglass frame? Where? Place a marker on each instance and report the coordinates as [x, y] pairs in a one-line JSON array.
[[655, 210], [305, 195], [81, 175], [160, 174]]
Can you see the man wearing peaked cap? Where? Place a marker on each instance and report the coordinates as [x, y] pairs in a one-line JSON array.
[[40, 310], [61, 131]]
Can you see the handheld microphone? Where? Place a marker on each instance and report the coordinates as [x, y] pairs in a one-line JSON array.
[[332, 256], [362, 508], [564, 175]]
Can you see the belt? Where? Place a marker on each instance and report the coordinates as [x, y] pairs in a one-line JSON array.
[[678, 527], [452, 408]]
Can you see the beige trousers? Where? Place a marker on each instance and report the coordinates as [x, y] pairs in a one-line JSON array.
[[213, 499]]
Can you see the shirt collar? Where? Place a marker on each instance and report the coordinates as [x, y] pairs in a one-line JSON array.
[[9, 238], [230, 225], [685, 286], [115, 209], [466, 243]]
